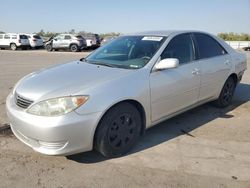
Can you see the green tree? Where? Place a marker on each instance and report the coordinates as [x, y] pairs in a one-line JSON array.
[[234, 36]]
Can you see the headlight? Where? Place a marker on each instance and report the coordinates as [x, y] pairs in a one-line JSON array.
[[57, 106]]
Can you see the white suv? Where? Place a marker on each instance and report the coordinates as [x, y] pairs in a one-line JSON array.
[[35, 40], [14, 41], [66, 41]]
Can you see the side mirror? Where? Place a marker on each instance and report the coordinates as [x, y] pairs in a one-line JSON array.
[[55, 39], [168, 63]]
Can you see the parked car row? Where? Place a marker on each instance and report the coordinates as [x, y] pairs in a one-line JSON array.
[[64, 41]]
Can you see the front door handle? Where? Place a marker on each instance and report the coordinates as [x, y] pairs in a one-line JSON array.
[[227, 62]]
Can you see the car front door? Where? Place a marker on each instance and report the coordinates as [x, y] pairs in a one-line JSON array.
[[215, 65], [57, 41], [173, 90]]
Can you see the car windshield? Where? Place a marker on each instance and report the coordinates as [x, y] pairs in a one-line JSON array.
[[37, 37], [131, 52], [23, 37]]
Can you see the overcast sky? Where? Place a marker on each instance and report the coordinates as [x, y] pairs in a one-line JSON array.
[[101, 16]]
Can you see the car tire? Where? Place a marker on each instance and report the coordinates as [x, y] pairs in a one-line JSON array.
[[118, 131], [49, 47], [13, 46], [73, 48], [226, 94]]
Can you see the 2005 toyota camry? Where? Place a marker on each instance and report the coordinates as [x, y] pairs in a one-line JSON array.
[[108, 99]]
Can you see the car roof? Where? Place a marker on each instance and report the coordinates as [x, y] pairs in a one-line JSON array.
[[10, 33], [164, 33]]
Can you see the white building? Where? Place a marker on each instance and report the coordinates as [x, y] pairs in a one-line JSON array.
[[238, 44]]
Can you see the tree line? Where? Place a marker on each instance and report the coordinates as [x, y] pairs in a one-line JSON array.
[[234, 36], [72, 31], [231, 36]]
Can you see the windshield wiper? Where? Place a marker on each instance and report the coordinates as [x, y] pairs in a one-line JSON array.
[[102, 63]]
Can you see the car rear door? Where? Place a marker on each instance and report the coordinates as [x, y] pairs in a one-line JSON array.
[[6, 40], [66, 41], [215, 64], [175, 89]]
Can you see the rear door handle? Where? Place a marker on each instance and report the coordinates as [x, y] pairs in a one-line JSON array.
[[195, 71]]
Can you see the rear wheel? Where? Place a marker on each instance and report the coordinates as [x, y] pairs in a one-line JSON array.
[[226, 94], [118, 130], [73, 48], [49, 47], [13, 46]]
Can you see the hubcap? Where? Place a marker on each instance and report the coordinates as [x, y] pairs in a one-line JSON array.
[[228, 92], [48, 47], [121, 131], [13, 47], [73, 48]]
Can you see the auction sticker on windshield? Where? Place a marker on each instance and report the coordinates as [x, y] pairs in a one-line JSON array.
[[152, 38]]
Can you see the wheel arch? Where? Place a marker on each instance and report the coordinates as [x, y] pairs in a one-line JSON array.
[[73, 44], [136, 104], [12, 43], [234, 76]]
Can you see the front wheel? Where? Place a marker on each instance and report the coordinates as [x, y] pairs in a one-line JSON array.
[[49, 47], [118, 130], [226, 94]]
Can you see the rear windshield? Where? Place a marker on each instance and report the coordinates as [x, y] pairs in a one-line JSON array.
[[37, 37], [23, 37], [79, 37]]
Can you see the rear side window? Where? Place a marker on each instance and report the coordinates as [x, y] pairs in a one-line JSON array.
[[6, 37], [14, 37], [67, 37], [23, 37], [180, 47], [208, 46]]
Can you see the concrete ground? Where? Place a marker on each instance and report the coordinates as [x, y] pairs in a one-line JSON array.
[[205, 147]]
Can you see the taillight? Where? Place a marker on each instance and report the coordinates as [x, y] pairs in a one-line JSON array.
[[19, 40], [34, 40]]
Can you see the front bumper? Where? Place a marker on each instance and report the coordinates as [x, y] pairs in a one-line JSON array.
[[62, 135]]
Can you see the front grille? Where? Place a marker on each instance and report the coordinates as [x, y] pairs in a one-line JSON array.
[[22, 102]]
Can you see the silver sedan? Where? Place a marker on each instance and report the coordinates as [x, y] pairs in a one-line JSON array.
[[108, 99]]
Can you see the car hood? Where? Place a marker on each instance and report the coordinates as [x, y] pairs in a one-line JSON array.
[[66, 79]]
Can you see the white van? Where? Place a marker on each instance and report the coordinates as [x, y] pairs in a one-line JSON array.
[[14, 41]]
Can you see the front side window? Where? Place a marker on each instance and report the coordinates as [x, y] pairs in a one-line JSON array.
[[1, 36], [59, 37], [127, 51], [207, 46], [181, 48]]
